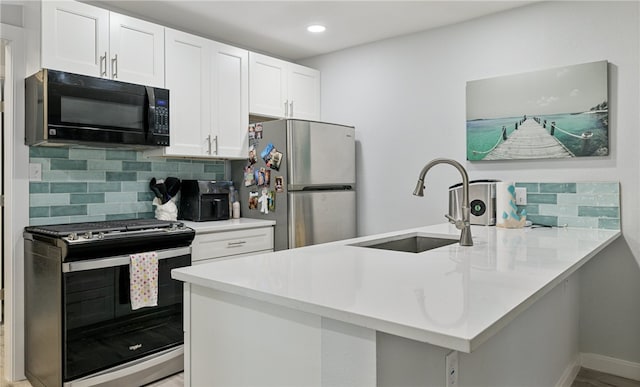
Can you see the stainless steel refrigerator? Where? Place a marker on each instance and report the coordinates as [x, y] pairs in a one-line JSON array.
[[307, 171]]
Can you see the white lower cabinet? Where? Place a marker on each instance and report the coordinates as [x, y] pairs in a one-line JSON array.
[[231, 244]]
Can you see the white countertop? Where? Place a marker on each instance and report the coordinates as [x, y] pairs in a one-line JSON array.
[[455, 297], [227, 225]]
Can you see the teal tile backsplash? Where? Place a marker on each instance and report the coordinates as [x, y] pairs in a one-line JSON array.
[[586, 205], [84, 185]]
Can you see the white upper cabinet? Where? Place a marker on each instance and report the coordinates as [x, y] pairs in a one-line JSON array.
[[304, 92], [136, 50], [188, 76], [267, 85], [209, 103], [75, 37], [84, 39], [230, 97], [282, 89]]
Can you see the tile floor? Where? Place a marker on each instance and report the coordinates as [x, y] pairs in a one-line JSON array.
[[3, 381], [591, 378], [585, 378]]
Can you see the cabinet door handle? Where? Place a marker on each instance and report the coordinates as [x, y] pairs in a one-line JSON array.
[[215, 138], [236, 244], [114, 66], [209, 142], [286, 108], [103, 59], [291, 109]]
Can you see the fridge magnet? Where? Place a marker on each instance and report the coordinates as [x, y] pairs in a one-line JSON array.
[[275, 160], [267, 177], [271, 201], [263, 201], [278, 184], [258, 131], [555, 113], [259, 176], [252, 132], [249, 178], [252, 155], [266, 152], [253, 200]]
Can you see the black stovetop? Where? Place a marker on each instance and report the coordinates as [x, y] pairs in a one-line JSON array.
[[63, 230]]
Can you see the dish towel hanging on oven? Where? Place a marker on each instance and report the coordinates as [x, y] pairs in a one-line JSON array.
[[143, 280]]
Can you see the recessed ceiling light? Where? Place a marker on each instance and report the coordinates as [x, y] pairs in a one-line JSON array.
[[316, 28]]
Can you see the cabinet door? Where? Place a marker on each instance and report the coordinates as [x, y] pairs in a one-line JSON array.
[[188, 80], [304, 92], [75, 37], [136, 51], [267, 85], [231, 100]]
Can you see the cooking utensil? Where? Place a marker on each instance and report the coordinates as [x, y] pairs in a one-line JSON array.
[[173, 186], [154, 188]]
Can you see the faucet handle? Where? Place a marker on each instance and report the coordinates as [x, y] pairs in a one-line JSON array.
[[459, 223]]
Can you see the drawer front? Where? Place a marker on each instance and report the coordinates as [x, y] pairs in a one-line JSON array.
[[222, 244], [203, 261]]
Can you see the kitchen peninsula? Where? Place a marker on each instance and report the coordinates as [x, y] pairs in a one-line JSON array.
[[340, 314]]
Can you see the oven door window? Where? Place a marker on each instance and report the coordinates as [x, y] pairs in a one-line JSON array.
[[101, 330]]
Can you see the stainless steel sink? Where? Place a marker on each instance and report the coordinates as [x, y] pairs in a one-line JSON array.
[[408, 243]]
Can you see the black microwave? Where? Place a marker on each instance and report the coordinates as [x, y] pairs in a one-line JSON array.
[[70, 109]]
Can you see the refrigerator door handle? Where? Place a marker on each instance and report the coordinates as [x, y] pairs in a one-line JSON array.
[[345, 187]]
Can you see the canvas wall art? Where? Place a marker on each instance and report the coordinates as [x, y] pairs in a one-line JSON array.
[[556, 113]]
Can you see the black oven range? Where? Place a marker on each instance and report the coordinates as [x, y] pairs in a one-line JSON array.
[[80, 328]]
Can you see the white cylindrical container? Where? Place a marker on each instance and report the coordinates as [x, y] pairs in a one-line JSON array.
[[507, 215], [236, 210]]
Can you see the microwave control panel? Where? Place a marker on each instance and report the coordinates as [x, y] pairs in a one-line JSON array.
[[162, 120], [161, 117]]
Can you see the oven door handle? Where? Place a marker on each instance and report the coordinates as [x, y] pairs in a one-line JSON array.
[[120, 260]]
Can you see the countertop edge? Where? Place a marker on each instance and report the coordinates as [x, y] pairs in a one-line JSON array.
[[227, 225], [485, 335], [459, 343], [442, 340]]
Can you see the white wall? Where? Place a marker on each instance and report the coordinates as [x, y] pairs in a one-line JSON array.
[[11, 14], [406, 97], [16, 214]]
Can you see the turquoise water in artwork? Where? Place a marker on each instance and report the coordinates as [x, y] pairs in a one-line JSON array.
[[483, 135]]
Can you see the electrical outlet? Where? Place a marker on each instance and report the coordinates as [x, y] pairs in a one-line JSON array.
[[452, 368], [521, 196], [35, 172]]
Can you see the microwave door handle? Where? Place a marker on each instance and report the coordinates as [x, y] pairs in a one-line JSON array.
[[151, 110]]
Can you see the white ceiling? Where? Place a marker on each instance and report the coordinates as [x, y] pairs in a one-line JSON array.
[[278, 28]]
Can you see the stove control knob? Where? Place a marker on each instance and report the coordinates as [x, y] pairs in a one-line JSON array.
[[88, 235], [73, 236], [100, 235], [174, 227]]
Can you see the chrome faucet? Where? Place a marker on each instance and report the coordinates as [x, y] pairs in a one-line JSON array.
[[461, 224]]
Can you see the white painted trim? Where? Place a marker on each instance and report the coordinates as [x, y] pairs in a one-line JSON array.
[[570, 373], [611, 365], [16, 161]]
